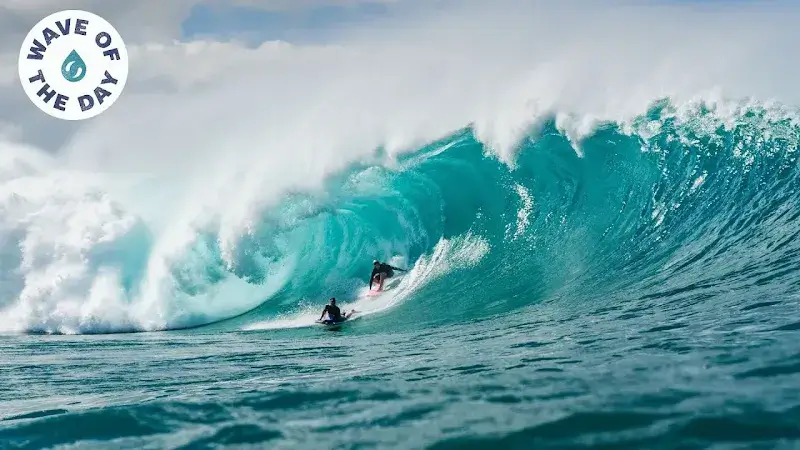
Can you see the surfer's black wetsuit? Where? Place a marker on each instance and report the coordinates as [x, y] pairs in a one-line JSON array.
[[383, 268]]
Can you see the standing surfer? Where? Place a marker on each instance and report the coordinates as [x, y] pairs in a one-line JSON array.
[[380, 272]]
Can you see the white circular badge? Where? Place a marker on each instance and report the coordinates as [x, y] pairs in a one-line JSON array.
[[73, 65]]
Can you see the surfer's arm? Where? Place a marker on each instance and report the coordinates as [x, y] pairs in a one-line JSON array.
[[397, 268], [323, 312]]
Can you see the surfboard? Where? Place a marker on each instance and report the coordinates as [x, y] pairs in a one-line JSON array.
[[331, 325]]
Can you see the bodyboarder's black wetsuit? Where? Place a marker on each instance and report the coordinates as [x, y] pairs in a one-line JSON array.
[[334, 313]]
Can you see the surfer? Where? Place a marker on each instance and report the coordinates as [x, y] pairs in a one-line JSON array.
[[334, 313], [381, 272]]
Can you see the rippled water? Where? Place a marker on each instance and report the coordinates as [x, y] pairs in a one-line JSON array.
[[680, 376]]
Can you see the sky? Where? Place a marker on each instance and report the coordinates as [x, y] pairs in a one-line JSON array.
[[254, 24]]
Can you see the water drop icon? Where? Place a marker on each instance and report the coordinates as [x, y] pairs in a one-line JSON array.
[[73, 68]]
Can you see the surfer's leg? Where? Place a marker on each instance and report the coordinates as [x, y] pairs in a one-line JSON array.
[[383, 278]]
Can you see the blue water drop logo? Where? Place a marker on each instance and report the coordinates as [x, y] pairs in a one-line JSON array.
[[73, 68]]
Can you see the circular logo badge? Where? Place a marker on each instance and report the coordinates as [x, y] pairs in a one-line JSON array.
[[73, 65]]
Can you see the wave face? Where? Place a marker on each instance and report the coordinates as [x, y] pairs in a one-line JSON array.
[[677, 204]]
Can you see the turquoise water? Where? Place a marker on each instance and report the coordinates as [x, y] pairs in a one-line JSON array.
[[634, 289]]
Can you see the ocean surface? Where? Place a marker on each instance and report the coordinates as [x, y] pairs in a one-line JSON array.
[[636, 287]]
